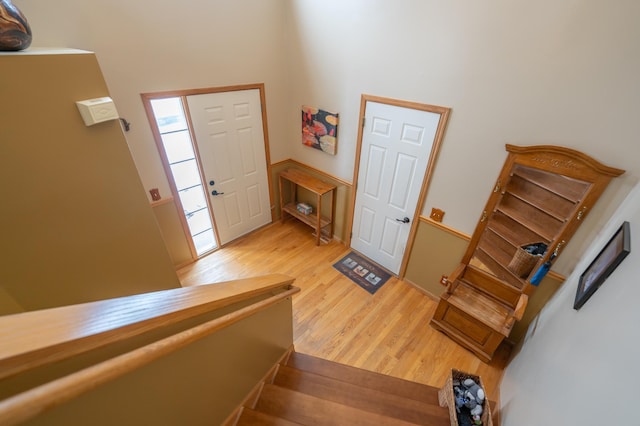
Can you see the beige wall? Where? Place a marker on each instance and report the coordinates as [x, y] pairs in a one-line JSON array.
[[168, 217], [8, 304], [436, 252], [74, 220]]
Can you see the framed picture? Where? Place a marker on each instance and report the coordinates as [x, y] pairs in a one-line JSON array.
[[319, 129], [614, 252]]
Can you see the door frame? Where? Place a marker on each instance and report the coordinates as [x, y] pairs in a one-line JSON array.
[[442, 124], [182, 94]]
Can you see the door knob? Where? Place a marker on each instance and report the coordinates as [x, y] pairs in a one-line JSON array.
[[211, 182], [215, 192], [404, 220]]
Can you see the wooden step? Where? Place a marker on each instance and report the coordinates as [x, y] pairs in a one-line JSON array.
[[365, 379], [478, 305], [251, 417], [363, 398], [492, 286], [310, 410]]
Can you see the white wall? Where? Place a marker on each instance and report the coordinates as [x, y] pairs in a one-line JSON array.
[[548, 72], [151, 46], [580, 367]]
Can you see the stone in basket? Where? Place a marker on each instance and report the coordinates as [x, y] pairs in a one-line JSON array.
[[447, 398], [525, 258]]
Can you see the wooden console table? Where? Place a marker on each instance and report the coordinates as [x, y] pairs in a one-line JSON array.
[[297, 178]]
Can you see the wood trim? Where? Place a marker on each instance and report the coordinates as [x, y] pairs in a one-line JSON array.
[[407, 104], [445, 228], [267, 148], [36, 338], [187, 263], [589, 161], [29, 404], [313, 169], [556, 276], [200, 91], [162, 201], [438, 137], [252, 398], [422, 290], [356, 170]]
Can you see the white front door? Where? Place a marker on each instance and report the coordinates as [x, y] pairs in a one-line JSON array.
[[395, 151], [230, 140]]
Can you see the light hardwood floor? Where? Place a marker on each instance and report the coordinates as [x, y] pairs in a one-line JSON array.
[[335, 319]]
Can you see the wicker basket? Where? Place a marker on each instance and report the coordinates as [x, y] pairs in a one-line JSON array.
[[446, 397], [523, 262]]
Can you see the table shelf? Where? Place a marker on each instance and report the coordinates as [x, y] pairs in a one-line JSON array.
[[288, 205]]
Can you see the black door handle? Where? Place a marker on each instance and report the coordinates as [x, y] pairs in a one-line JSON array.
[[404, 220], [215, 192]]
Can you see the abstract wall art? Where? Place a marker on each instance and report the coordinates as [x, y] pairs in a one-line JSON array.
[[319, 129]]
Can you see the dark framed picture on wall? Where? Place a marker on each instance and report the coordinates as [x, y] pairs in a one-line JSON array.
[[614, 252]]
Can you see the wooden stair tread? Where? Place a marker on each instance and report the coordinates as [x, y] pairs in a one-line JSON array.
[[364, 378], [478, 305], [371, 400], [310, 410], [251, 417]]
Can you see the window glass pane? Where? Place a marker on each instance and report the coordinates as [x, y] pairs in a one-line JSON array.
[[193, 199], [199, 221], [204, 242], [169, 114], [185, 174], [177, 146]]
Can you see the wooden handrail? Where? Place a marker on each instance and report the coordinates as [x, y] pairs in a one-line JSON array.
[[32, 339], [452, 282], [29, 404], [518, 313]]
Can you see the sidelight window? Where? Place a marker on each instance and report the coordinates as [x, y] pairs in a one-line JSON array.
[[178, 147]]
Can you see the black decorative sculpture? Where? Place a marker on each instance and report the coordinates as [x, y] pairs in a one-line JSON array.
[[15, 33]]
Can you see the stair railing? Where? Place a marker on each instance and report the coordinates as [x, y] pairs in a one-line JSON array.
[[192, 301]]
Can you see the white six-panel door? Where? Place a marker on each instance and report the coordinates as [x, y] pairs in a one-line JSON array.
[[396, 145], [230, 139]]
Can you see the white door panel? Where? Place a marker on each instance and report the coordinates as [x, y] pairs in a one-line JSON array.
[[396, 146], [230, 140]]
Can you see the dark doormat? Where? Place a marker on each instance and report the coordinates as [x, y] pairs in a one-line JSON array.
[[362, 271]]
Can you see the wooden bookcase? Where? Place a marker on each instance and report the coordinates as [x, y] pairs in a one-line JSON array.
[[296, 179], [542, 195]]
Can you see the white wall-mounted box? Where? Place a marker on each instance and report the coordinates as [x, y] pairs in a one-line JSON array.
[[97, 110]]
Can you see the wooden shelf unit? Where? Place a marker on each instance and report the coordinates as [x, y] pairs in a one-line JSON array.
[[298, 179], [542, 195]]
